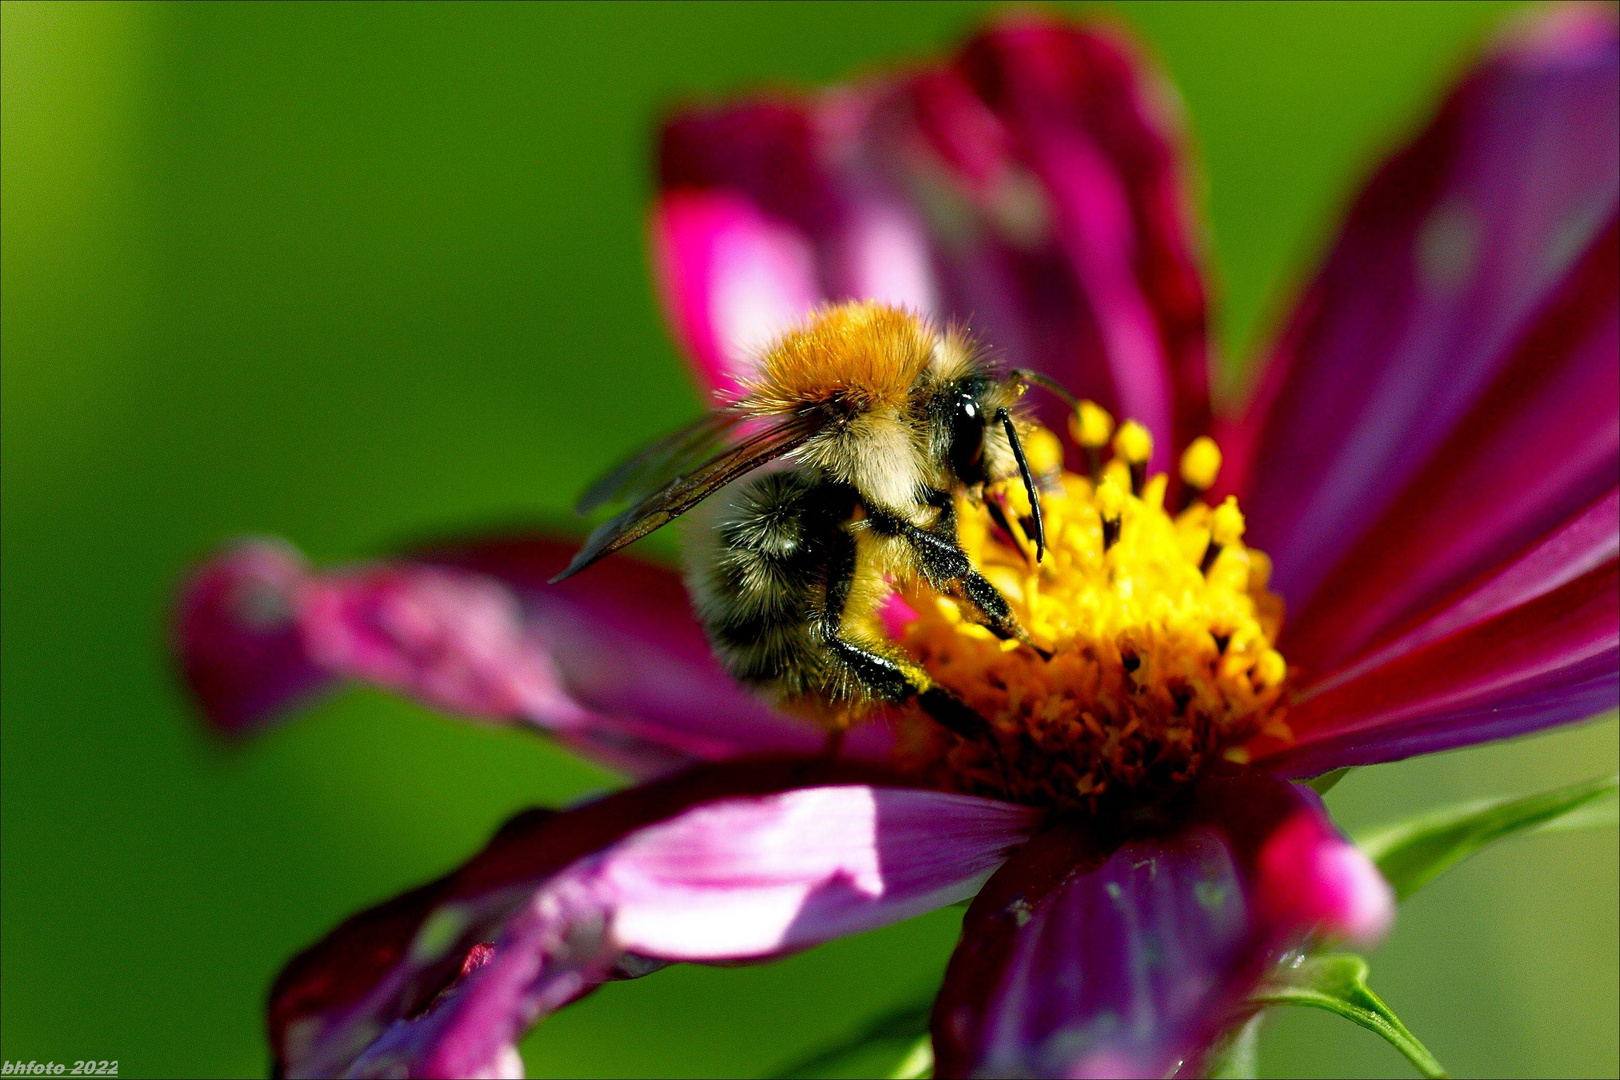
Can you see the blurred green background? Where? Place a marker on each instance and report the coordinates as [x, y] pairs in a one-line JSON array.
[[353, 275]]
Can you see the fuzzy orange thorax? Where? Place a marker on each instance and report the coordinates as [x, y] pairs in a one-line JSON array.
[[862, 353]]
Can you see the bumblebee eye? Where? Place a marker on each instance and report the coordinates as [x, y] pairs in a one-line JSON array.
[[967, 439]]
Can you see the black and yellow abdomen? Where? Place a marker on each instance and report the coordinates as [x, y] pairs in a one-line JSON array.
[[774, 575]]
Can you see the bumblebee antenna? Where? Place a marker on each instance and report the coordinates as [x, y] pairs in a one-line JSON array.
[[1039, 530], [1045, 382]]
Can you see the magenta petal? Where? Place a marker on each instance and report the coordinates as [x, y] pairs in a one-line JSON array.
[[1306, 875], [629, 649], [454, 640], [1080, 961], [1551, 659], [1581, 545], [805, 166], [1443, 264], [751, 878], [1031, 187], [768, 151], [1097, 132], [1541, 444], [237, 640], [612, 663], [738, 861], [1578, 690], [732, 278]]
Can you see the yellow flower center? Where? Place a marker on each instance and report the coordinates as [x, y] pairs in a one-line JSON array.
[[1158, 623]]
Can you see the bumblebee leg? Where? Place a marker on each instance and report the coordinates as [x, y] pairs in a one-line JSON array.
[[956, 716], [885, 675], [945, 503], [947, 568]]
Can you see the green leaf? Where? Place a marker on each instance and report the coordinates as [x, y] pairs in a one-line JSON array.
[[902, 1025], [1238, 1058], [1413, 853], [1337, 982], [1324, 783], [1597, 814], [918, 1062]]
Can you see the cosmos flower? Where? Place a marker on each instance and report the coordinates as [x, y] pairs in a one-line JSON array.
[[1424, 479]]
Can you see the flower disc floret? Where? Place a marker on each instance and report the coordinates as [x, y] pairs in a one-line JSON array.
[[1159, 626]]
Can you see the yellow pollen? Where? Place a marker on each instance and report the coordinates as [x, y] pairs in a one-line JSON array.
[[1160, 664], [1091, 425], [1044, 451], [1226, 523], [1132, 443], [1201, 463], [1271, 669]]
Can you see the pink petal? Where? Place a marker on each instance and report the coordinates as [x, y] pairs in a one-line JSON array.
[[1030, 186], [1543, 442], [236, 636], [738, 861], [1582, 544], [1082, 960], [745, 879], [1101, 131], [1444, 263], [612, 664], [888, 256], [629, 648], [454, 640], [1307, 876], [731, 278], [1549, 660], [803, 163], [768, 151]]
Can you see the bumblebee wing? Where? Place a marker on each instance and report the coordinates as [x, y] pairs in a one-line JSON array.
[[653, 466], [683, 492]]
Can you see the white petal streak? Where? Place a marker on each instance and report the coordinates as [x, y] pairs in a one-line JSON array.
[[749, 877]]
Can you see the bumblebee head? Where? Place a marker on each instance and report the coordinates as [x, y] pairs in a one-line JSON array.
[[965, 414], [981, 441]]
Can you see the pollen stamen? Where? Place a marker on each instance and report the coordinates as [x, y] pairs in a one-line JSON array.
[[1225, 529], [1110, 502], [1200, 465], [1152, 630], [1091, 425], [1134, 446]]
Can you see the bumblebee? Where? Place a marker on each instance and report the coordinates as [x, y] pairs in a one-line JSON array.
[[873, 422]]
